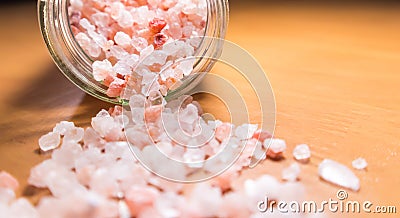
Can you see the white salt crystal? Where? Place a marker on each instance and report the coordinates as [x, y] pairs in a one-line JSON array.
[[245, 131], [21, 208], [189, 115], [118, 52], [102, 69], [63, 127], [156, 57], [302, 153], [85, 23], [122, 39], [123, 210], [49, 141], [76, 4], [6, 195], [101, 19], [291, 173], [338, 174], [74, 135], [257, 189], [359, 164], [274, 147]]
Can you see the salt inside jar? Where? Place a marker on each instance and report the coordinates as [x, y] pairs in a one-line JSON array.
[[114, 49]]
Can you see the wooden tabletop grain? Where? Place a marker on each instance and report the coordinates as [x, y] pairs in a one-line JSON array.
[[335, 72]]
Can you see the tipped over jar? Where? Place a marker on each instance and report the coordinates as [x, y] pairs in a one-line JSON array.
[[115, 49]]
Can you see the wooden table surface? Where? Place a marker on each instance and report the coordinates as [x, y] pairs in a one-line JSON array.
[[335, 72]]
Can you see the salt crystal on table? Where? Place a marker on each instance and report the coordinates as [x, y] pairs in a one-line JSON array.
[[338, 174], [8, 181], [49, 141], [275, 148], [291, 173], [359, 164], [302, 153], [63, 127]]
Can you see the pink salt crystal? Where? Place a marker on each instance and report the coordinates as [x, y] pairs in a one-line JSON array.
[[359, 164], [224, 181], [338, 174], [160, 39], [149, 212], [302, 153], [116, 87], [275, 148], [157, 24], [8, 181], [223, 131], [139, 198], [49, 141], [152, 114], [102, 69], [291, 173], [261, 135]]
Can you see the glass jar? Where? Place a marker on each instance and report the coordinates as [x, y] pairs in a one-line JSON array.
[[75, 64]]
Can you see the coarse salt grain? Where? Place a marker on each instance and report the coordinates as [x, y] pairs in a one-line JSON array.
[[291, 173], [275, 148], [359, 164], [338, 174], [302, 153], [49, 141]]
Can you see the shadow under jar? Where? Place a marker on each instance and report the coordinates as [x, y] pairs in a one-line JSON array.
[[77, 65]]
